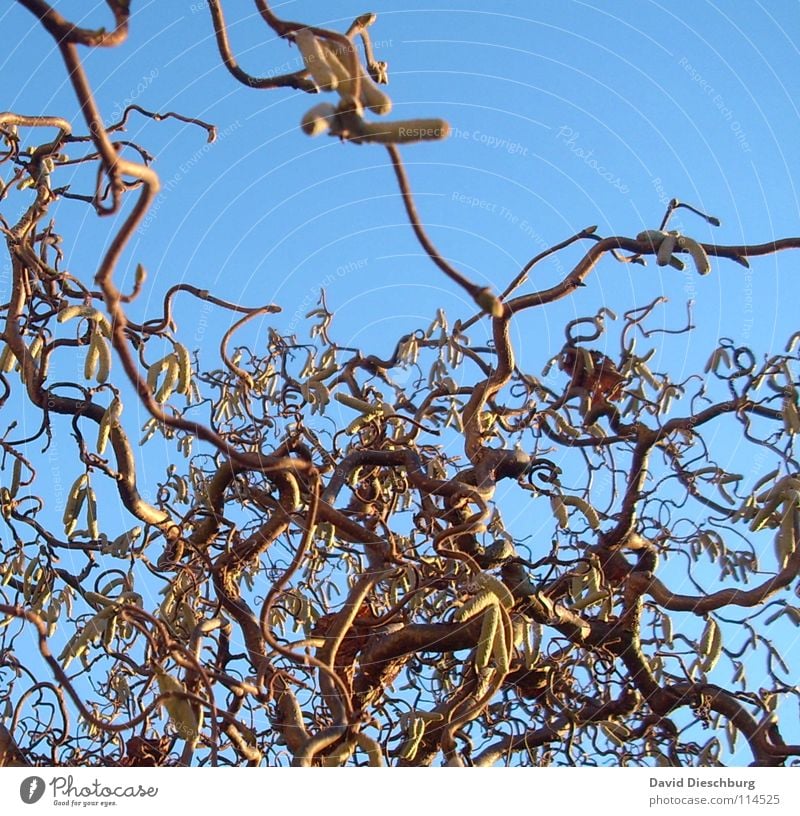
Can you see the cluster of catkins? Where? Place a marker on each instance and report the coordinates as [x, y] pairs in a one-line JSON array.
[[335, 67]]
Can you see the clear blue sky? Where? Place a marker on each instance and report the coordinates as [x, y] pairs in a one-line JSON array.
[[564, 114]]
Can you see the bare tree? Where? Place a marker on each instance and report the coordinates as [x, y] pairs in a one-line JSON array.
[[355, 597]]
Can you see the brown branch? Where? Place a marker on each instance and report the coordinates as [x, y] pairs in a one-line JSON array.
[[64, 31], [642, 582], [10, 754], [296, 80], [758, 735], [586, 265], [482, 295]]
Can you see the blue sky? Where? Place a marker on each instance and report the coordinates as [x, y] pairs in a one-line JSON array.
[[563, 115]]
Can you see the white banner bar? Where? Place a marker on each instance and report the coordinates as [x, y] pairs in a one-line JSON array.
[[390, 791]]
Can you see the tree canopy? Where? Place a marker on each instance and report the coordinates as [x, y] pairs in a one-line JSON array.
[[467, 551]]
